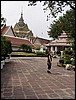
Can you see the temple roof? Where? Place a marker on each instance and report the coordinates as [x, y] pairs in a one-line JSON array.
[[41, 40], [61, 41], [63, 35], [21, 28], [21, 25]]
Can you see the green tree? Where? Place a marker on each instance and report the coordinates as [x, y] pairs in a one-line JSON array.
[[5, 44], [8, 47], [66, 23], [26, 48], [23, 47]]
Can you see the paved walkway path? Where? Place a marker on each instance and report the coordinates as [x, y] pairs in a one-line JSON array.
[[27, 78]]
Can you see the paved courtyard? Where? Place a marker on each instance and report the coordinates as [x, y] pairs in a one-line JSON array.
[[27, 78]]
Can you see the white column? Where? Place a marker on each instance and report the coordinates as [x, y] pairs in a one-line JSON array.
[[51, 48], [55, 48], [61, 54]]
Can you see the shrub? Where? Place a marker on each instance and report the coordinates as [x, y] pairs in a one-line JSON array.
[[3, 45], [67, 51], [61, 61], [73, 62], [66, 58], [40, 54], [38, 48], [26, 48], [58, 52], [8, 47], [46, 51], [67, 61]]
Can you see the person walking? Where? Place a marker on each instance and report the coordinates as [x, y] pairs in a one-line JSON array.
[[49, 61]]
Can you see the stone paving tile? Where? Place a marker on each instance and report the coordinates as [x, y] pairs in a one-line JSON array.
[[32, 97], [49, 91], [53, 95], [43, 96], [68, 97], [27, 78], [70, 91], [19, 96]]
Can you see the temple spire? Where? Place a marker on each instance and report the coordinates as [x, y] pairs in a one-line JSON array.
[[21, 18], [21, 11]]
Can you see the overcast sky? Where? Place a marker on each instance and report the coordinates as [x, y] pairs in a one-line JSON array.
[[33, 16]]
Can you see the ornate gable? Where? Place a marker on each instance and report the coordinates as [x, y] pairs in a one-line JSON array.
[[8, 30]]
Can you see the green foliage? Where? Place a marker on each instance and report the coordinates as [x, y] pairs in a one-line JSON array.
[[58, 52], [26, 48], [69, 52], [66, 58], [40, 54], [3, 45], [67, 61], [55, 30], [66, 23], [73, 62], [26, 54], [46, 51], [38, 48], [8, 47], [22, 54], [61, 61]]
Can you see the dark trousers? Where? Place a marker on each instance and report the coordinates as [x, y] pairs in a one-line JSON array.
[[49, 65]]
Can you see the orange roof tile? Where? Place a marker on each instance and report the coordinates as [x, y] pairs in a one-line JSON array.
[[4, 29]]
